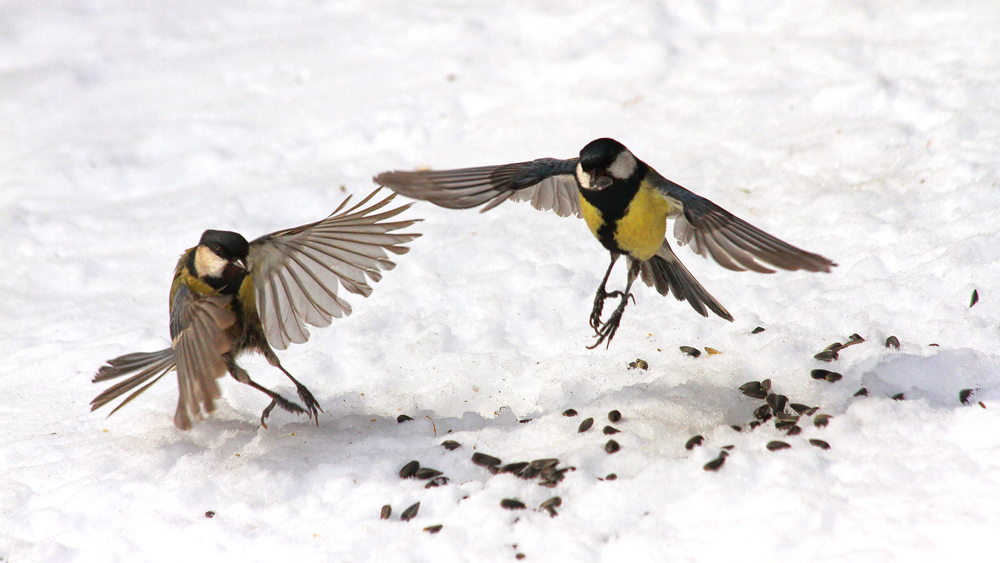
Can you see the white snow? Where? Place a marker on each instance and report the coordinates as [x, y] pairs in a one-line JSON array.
[[866, 131]]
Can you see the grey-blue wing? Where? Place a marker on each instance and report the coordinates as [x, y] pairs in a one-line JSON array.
[[548, 183], [715, 233]]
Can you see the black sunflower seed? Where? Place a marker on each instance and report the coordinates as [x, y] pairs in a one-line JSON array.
[[433, 529], [819, 443], [785, 417], [610, 477], [794, 430], [410, 512], [436, 482], [827, 375], [512, 504], [715, 464], [551, 505], [737, 427], [493, 469], [451, 445], [386, 512], [892, 342], [762, 412], [569, 412], [766, 385], [585, 425], [898, 397], [403, 418], [484, 460], [693, 352], [727, 448], [777, 445], [799, 407], [826, 355], [209, 514], [609, 430], [614, 416], [612, 447], [811, 411], [863, 392], [544, 463], [975, 297], [409, 470], [757, 330], [516, 468], [753, 389], [777, 402], [525, 420], [694, 442], [425, 473], [754, 424], [821, 420], [964, 395]]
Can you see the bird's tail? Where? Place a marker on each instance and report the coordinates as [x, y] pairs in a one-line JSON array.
[[666, 273], [149, 365]]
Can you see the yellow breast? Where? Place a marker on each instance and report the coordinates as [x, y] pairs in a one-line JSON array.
[[644, 225]]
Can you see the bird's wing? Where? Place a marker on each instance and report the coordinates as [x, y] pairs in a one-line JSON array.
[[297, 272], [199, 343], [548, 183], [732, 242]]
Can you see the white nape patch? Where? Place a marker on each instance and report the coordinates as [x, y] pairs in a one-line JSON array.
[[624, 166], [582, 177], [208, 264]]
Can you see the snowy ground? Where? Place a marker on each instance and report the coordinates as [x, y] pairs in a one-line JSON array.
[[866, 131]]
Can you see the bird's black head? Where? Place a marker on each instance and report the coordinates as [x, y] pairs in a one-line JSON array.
[[221, 255], [604, 161]]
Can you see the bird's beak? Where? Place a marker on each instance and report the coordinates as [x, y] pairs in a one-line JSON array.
[[241, 264], [600, 183]]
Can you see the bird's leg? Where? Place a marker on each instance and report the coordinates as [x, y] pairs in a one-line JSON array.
[[608, 329], [602, 295], [241, 375], [312, 405]]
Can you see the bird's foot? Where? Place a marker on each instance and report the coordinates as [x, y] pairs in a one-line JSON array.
[[278, 400], [607, 330], [312, 405]]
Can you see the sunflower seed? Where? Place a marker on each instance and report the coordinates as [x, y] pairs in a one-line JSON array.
[[821, 420], [777, 402], [964, 395], [819, 443], [766, 385], [425, 473], [608, 430], [725, 449], [410, 512], [827, 375], [544, 463], [515, 468], [403, 418], [863, 392], [484, 460], [436, 482], [493, 469], [585, 425], [799, 407], [892, 342], [975, 297], [638, 364], [694, 442], [737, 427], [761, 412], [783, 426], [386, 512], [715, 464], [826, 356], [777, 445], [614, 416], [551, 505], [409, 470], [434, 529], [451, 445], [794, 430], [757, 330], [898, 397], [569, 412], [693, 352], [785, 417], [853, 339], [811, 411], [610, 477], [512, 504], [754, 424], [209, 514], [612, 447], [525, 420], [753, 389]]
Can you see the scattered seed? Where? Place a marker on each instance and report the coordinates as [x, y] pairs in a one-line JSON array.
[[540, 464], [484, 460], [982, 404], [529, 473], [512, 504], [451, 445], [639, 364], [737, 427], [777, 402], [409, 470], [822, 420], [610, 431], [794, 430], [757, 330], [614, 416], [569, 412], [826, 356], [827, 375], [525, 420], [975, 297], [711, 351], [425, 473], [785, 417], [515, 468], [863, 392], [727, 447], [753, 389], [693, 352], [762, 412], [799, 407], [433, 529], [754, 424], [933, 344], [493, 469], [898, 397], [854, 339], [209, 514], [766, 385], [519, 556], [410, 512], [551, 505], [436, 482], [403, 418], [610, 477], [892, 342], [694, 442], [777, 445], [386, 512], [612, 447], [811, 411], [586, 424], [715, 464], [819, 443], [964, 395]]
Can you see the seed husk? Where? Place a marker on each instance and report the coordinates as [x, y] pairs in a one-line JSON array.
[[569, 412], [863, 392], [410, 512], [821, 420], [451, 445], [715, 464], [757, 330], [822, 444], [386, 512], [711, 351], [403, 418], [777, 445], [964, 395], [614, 416], [586, 424], [551, 505], [892, 342], [975, 297], [827, 375], [409, 470], [612, 447], [512, 504], [826, 355], [434, 529], [610, 430], [484, 460], [516, 468], [694, 442], [753, 389], [690, 351], [639, 364]]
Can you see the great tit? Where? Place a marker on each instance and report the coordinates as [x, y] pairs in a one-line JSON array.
[[626, 205], [230, 296]]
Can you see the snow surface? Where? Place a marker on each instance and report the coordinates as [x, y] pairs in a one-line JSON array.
[[866, 131]]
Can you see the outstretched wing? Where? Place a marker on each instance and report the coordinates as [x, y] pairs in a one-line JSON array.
[[732, 242], [297, 272], [548, 183]]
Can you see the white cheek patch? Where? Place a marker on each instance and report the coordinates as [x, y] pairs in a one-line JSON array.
[[623, 167], [208, 264], [582, 177]]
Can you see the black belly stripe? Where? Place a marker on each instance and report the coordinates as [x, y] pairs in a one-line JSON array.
[[613, 202]]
